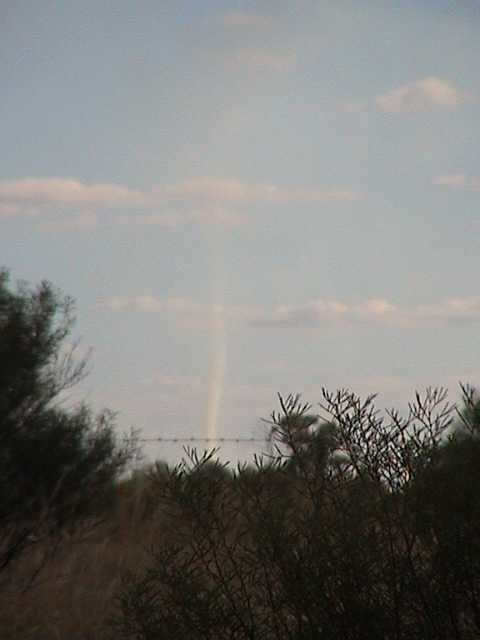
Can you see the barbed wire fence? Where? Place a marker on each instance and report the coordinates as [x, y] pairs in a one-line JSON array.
[[243, 441], [174, 439]]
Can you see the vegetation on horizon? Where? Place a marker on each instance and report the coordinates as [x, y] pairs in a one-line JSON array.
[[362, 526], [359, 525]]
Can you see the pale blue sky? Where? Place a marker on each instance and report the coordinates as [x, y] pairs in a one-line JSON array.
[[247, 198]]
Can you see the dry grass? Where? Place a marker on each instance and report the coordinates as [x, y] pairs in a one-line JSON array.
[[73, 597]]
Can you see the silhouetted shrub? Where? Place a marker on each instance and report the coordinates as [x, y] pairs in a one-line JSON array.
[[58, 465]]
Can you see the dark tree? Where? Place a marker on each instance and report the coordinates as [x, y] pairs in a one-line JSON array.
[[57, 464]]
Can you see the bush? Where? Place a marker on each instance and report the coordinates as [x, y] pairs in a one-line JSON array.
[[344, 534]]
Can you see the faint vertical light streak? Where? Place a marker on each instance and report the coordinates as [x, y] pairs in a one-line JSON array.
[[218, 337]]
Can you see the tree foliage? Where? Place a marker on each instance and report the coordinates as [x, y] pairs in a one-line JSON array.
[[363, 526], [57, 464]]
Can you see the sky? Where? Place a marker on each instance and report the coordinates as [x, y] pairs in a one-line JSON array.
[[246, 199]]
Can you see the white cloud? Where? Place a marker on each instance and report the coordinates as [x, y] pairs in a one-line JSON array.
[[66, 192], [421, 95], [319, 312], [458, 181], [265, 59], [246, 20], [203, 200]]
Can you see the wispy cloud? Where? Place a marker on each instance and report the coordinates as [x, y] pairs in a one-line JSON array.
[[375, 310], [246, 20], [319, 312], [324, 311], [82, 221], [151, 304], [10, 210], [218, 216], [203, 200], [238, 193], [188, 313], [352, 106], [467, 308], [259, 59], [458, 181], [206, 215], [422, 95]]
